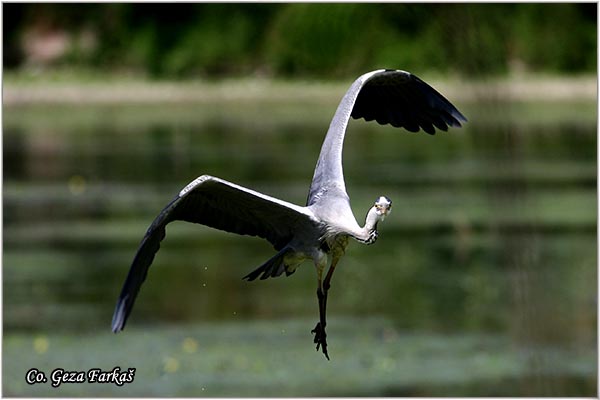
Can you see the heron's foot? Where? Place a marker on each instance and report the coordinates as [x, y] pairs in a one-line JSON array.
[[320, 338]]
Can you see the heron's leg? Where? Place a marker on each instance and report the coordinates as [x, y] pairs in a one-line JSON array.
[[326, 282], [323, 287], [319, 331]]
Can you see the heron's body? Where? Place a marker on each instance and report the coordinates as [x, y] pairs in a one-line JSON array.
[[319, 231]]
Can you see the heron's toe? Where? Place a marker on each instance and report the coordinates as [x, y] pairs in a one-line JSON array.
[[320, 338]]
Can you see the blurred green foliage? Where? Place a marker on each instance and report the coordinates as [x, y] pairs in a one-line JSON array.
[[316, 40]]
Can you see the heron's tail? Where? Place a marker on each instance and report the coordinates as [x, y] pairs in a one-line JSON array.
[[274, 267]]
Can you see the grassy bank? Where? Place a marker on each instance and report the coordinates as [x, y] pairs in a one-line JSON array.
[[86, 88]]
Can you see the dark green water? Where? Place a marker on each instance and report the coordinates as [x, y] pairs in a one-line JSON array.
[[482, 283]]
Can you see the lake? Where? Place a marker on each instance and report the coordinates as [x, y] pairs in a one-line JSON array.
[[482, 283]]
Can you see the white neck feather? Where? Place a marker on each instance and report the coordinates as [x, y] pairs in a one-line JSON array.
[[371, 222], [372, 219]]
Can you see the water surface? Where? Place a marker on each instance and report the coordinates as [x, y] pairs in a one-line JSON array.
[[482, 282]]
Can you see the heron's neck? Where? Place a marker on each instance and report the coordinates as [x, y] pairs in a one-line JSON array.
[[371, 221], [329, 171]]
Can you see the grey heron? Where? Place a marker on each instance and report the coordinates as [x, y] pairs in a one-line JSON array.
[[319, 231]]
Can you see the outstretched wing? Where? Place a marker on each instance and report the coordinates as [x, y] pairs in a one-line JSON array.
[[219, 204], [403, 100], [391, 97]]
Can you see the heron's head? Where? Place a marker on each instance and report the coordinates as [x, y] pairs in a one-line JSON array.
[[383, 206]]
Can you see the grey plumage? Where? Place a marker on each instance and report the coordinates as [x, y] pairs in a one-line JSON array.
[[323, 226]]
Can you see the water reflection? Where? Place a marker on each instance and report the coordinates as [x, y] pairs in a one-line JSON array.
[[493, 232]]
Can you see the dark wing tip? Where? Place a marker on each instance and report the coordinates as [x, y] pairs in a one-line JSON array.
[[459, 116], [139, 267], [120, 315], [402, 99]]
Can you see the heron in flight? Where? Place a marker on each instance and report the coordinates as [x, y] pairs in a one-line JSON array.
[[319, 231]]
